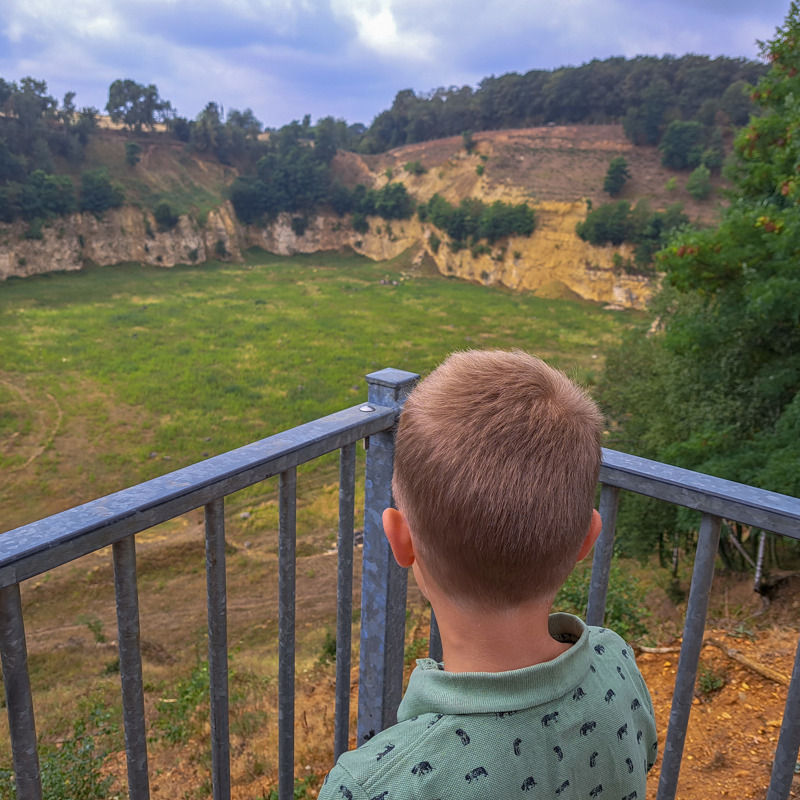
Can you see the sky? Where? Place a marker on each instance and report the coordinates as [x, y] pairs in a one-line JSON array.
[[346, 58]]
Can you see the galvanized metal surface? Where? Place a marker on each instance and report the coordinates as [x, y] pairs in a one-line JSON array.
[[344, 598], [383, 582], [735, 501], [692, 644], [603, 551], [55, 540], [19, 703], [130, 667], [286, 634], [783, 769], [218, 649]]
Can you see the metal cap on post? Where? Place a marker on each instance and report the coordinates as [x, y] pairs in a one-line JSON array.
[[383, 582]]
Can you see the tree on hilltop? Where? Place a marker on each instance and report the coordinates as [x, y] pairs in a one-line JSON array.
[[137, 105]]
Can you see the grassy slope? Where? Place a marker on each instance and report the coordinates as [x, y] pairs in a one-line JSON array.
[[191, 361]]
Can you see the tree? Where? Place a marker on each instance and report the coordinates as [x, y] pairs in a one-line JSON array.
[[721, 389], [699, 183], [682, 145], [137, 105], [46, 195], [616, 176], [98, 193]]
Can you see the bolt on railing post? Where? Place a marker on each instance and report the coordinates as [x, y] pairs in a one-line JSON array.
[[383, 582]]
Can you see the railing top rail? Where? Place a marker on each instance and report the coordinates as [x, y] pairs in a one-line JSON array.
[[47, 543], [734, 501]]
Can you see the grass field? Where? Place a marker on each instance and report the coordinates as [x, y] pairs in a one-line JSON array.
[[114, 375]]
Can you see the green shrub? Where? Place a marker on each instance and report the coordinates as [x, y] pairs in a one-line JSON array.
[[473, 220], [99, 193], [480, 169], [132, 153], [469, 141], [616, 176], [74, 769], [360, 222], [299, 225], [165, 217], [34, 230], [434, 241], [625, 604], [178, 716], [328, 654], [709, 680], [699, 183], [414, 168]]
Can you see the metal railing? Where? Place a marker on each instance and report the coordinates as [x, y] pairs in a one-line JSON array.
[[115, 520]]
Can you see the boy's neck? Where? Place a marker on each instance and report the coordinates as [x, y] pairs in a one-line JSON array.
[[475, 639]]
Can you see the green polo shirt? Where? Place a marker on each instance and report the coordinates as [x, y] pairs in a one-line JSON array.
[[579, 726]]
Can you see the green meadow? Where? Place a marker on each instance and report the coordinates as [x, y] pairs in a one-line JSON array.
[[113, 375]]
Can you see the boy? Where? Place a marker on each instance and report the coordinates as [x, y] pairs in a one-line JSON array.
[[496, 463]]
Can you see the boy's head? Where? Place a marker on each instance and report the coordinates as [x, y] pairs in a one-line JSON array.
[[496, 462]]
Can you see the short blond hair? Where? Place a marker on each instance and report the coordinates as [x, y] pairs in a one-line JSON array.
[[497, 458]]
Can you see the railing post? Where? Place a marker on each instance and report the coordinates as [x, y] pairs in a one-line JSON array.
[[783, 768], [344, 598], [691, 645], [216, 588], [19, 702], [603, 551], [383, 582], [130, 667]]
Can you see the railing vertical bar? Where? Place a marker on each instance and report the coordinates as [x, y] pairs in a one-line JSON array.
[[344, 597], [19, 703], [130, 667], [383, 582], [694, 627], [286, 631], [603, 550], [783, 769], [434, 640], [218, 649]]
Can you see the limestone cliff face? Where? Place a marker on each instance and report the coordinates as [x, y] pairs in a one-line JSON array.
[[120, 235], [552, 261]]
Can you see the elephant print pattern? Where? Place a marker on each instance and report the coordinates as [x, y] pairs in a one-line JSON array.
[[590, 737]]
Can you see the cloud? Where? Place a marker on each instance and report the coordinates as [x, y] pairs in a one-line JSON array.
[[347, 58], [383, 27]]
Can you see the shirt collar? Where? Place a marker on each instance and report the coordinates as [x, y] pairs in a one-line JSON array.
[[431, 689]]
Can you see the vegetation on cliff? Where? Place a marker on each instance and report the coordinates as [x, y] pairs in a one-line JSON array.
[[715, 386]]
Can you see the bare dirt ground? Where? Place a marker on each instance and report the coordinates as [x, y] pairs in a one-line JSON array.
[[558, 163]]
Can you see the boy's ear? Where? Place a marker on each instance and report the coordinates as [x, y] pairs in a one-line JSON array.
[[595, 526], [399, 535]]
